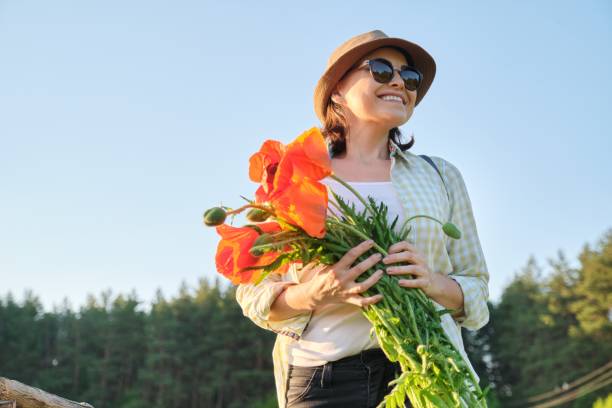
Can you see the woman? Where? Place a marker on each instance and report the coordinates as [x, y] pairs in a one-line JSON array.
[[324, 355]]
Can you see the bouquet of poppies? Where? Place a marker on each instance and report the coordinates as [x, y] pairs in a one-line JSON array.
[[293, 220]]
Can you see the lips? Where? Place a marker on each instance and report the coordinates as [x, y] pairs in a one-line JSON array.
[[392, 93], [402, 98]]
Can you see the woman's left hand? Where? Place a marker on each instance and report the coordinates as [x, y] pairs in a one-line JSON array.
[[424, 278]]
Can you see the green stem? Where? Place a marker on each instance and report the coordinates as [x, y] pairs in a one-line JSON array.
[[394, 308], [333, 239], [413, 322], [335, 205], [424, 216], [396, 337], [244, 207], [335, 247]]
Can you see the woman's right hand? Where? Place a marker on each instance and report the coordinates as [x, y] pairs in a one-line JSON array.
[[336, 283]]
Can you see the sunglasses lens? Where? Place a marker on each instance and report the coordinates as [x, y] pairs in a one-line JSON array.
[[412, 79], [381, 71]]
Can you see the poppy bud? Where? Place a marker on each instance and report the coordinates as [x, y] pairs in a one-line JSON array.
[[257, 215], [451, 230], [214, 216]]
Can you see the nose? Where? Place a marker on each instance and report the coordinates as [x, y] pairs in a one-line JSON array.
[[397, 80]]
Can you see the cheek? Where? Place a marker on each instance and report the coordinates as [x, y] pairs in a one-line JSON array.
[[413, 96], [364, 102]]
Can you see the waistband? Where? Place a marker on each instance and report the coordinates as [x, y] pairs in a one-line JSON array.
[[365, 357]]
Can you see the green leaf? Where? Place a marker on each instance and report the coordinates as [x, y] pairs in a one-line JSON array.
[[437, 401], [398, 399]]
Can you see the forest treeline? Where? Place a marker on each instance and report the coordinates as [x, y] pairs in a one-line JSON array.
[[196, 349]]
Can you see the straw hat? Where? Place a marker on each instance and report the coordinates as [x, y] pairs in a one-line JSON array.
[[347, 54]]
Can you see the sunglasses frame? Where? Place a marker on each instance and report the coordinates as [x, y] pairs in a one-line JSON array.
[[368, 64]]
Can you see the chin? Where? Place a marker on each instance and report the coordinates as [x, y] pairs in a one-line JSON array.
[[393, 120]]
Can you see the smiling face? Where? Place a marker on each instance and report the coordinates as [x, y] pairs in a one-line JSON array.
[[361, 95]]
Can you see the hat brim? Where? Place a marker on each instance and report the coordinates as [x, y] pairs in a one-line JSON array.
[[423, 61]]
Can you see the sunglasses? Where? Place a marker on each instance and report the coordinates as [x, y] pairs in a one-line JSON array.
[[382, 71]]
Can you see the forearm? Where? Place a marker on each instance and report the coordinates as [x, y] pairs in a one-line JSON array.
[[448, 293], [292, 301]]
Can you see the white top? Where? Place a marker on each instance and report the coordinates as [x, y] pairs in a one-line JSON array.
[[340, 330]]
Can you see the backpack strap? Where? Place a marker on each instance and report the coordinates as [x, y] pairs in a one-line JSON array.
[[430, 161]]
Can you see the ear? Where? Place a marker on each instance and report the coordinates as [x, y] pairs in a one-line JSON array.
[[336, 97]]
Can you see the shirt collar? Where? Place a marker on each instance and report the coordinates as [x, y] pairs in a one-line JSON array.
[[394, 149]]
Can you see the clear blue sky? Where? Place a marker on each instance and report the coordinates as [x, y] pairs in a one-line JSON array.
[[120, 122]]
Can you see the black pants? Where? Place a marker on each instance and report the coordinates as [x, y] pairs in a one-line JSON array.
[[358, 381]]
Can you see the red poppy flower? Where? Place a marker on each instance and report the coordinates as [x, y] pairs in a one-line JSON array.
[[233, 252], [263, 166], [289, 180]]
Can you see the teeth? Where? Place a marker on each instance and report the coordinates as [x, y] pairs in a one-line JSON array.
[[392, 98]]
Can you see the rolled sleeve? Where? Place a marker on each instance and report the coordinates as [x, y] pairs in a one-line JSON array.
[[256, 300], [467, 258]]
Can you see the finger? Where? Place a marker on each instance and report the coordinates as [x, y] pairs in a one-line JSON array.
[[401, 246], [416, 270], [357, 288], [413, 283], [404, 256], [363, 266], [363, 301], [351, 256]]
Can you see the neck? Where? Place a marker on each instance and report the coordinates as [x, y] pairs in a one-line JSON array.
[[367, 143]]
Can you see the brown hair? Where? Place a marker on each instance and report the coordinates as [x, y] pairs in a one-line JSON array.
[[335, 126]]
